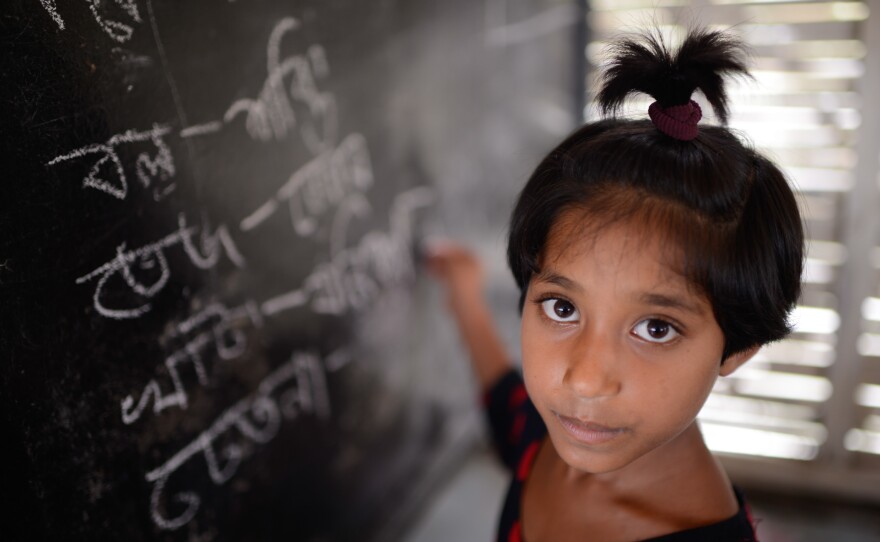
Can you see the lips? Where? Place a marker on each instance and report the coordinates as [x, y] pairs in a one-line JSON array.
[[588, 432]]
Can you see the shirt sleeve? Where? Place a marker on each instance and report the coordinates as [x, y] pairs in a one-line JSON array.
[[513, 421]]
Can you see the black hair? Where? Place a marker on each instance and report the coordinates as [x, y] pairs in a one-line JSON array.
[[728, 209]]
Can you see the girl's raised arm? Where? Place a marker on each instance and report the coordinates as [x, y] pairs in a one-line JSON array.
[[461, 274]]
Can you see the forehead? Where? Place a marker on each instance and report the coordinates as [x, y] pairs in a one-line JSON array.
[[632, 244]]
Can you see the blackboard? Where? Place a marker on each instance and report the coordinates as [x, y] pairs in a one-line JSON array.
[[214, 326]]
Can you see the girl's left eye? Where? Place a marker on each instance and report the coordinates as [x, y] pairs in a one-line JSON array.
[[656, 331]]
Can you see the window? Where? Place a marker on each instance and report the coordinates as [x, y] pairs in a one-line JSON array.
[[811, 402]]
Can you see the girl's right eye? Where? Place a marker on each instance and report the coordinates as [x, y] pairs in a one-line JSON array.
[[559, 310]]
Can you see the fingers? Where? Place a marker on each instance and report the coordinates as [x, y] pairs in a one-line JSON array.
[[453, 264], [443, 256]]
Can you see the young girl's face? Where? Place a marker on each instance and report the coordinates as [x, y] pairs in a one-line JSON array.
[[619, 353]]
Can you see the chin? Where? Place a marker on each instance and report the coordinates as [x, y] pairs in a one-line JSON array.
[[589, 461]]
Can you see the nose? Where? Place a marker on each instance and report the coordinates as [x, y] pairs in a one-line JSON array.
[[594, 366]]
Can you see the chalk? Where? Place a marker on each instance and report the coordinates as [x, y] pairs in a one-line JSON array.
[[259, 216], [283, 302], [308, 394], [49, 5], [153, 253], [202, 129], [319, 185], [289, 81], [148, 168], [120, 32], [221, 320]]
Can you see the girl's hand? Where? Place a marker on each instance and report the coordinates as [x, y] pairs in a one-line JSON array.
[[458, 270]]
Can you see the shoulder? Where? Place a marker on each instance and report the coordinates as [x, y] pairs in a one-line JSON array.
[[515, 424], [740, 527]]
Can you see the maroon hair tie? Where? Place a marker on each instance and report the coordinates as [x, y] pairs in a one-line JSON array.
[[678, 121]]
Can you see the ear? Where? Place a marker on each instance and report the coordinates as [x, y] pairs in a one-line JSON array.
[[734, 361]]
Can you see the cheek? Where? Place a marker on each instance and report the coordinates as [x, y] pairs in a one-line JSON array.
[[705, 370], [541, 358], [684, 390], [532, 344]]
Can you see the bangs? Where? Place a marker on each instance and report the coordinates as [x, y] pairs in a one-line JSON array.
[[691, 244], [725, 217]]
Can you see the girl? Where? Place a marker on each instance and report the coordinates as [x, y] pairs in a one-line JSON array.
[[652, 257]]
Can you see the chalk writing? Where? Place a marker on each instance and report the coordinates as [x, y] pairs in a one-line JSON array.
[[49, 5], [271, 115], [351, 280], [298, 387], [118, 31], [319, 185], [225, 336], [202, 129], [327, 192], [354, 276], [148, 168], [150, 260]]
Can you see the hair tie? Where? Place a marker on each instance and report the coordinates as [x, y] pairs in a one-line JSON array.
[[677, 121]]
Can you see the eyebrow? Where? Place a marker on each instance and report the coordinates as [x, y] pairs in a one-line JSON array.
[[559, 280], [661, 300], [648, 298]]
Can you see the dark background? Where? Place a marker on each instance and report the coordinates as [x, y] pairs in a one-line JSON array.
[[458, 97]]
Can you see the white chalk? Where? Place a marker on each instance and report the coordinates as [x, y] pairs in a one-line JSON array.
[[308, 394], [202, 129], [49, 5]]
